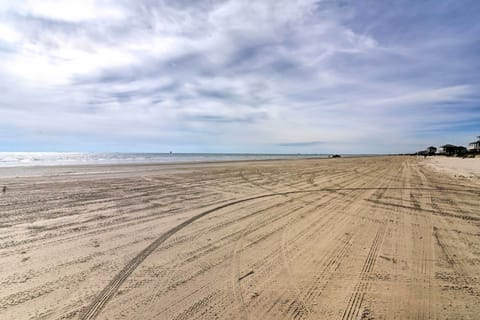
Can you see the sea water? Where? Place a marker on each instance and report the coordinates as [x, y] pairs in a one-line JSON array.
[[14, 159]]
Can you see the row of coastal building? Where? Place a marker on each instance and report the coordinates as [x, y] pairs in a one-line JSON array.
[[452, 150]]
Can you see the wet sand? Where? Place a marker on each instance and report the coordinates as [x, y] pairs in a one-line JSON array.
[[363, 238]]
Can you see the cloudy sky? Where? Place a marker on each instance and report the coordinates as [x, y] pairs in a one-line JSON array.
[[238, 76]]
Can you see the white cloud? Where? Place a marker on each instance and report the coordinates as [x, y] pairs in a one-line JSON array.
[[69, 10], [224, 72], [8, 34]]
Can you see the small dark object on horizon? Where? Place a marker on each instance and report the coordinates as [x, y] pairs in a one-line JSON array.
[[336, 156], [4, 189]]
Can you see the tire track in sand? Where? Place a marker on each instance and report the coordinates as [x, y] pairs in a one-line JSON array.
[[355, 301], [235, 275], [94, 309], [107, 293]]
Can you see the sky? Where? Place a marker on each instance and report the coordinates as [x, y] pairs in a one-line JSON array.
[[267, 76]]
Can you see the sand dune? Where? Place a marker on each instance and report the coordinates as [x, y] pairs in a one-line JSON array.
[[364, 238]]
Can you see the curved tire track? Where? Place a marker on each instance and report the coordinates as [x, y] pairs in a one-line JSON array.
[[94, 309]]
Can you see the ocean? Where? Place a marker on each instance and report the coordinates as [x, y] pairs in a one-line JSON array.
[[15, 159]]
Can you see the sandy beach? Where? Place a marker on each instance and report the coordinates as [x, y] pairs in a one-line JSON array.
[[468, 168], [349, 238]]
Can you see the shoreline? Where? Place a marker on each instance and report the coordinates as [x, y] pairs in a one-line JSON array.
[[53, 159], [21, 171]]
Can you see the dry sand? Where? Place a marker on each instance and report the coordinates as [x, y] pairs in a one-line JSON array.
[[456, 167], [365, 238]]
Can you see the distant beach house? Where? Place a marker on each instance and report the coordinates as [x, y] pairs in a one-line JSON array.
[[448, 149], [451, 150], [474, 146], [461, 151], [431, 151]]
